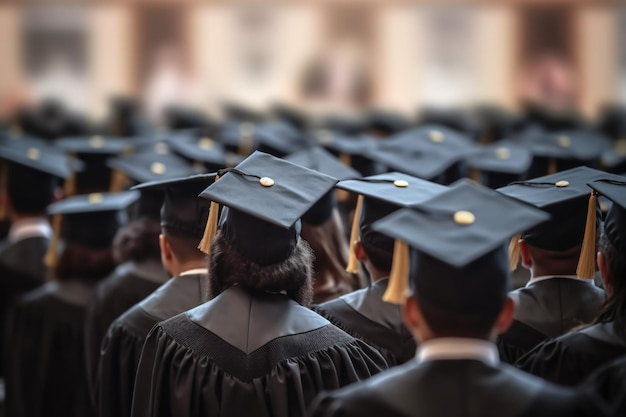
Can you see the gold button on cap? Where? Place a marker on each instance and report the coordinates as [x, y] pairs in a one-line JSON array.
[[464, 217], [436, 136], [564, 141], [94, 198], [157, 168], [503, 153], [96, 142], [562, 183], [266, 181], [401, 183], [205, 144], [33, 154]]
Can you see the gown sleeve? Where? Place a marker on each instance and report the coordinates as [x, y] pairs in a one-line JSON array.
[[608, 385]]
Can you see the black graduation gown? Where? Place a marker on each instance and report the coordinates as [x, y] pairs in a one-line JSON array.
[[130, 283], [545, 309], [608, 383], [452, 388], [21, 270], [363, 314], [570, 358], [121, 347], [244, 354], [45, 373]]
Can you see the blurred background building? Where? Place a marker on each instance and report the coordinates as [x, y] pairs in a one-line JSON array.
[[396, 54]]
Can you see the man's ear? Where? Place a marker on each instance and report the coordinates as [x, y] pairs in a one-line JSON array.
[[527, 260], [412, 314], [505, 318], [359, 252], [604, 271]]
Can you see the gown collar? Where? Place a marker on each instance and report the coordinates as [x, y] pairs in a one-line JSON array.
[[453, 348]]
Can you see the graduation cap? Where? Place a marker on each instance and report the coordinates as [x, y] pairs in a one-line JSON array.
[[264, 198], [615, 220], [94, 151], [566, 196], [500, 163], [182, 210], [89, 219], [353, 151], [457, 237], [238, 112], [320, 160], [179, 117], [200, 149], [276, 138], [426, 152], [290, 114], [380, 195], [385, 123], [30, 169]]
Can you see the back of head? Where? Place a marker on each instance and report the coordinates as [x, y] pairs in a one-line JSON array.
[[30, 191]]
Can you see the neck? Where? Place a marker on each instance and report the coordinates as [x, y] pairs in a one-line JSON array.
[[376, 274], [15, 217]]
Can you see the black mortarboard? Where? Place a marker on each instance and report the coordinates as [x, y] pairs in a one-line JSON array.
[[614, 157], [345, 124], [566, 196], [380, 195], [424, 152], [37, 155], [290, 114], [459, 259], [457, 119], [351, 150], [615, 220], [500, 163], [384, 123], [199, 149], [179, 117], [88, 219], [94, 152], [182, 209], [276, 138], [238, 112], [317, 159], [265, 197]]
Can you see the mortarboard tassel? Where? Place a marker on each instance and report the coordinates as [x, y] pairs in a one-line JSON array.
[[353, 262], [69, 186], [246, 139], [399, 275], [587, 261], [552, 167], [118, 181], [51, 257], [346, 159], [211, 227], [474, 175], [514, 252], [4, 174]]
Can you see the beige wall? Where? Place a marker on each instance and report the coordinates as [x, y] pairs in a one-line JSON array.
[[10, 63]]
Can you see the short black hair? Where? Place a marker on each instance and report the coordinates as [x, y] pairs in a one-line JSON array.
[[29, 191]]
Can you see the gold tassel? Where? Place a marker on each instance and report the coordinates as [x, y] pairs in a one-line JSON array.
[[587, 261], [246, 139], [51, 258], [4, 176], [353, 262], [514, 252], [211, 227], [399, 275], [552, 167], [69, 187], [346, 159], [118, 181], [474, 175]]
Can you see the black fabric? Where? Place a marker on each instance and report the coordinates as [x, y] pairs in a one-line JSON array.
[[121, 347], [452, 388], [45, 373], [609, 384], [364, 315], [21, 270], [546, 309], [187, 370], [124, 288], [570, 358]]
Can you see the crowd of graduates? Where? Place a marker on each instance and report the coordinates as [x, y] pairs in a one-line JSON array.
[[460, 263]]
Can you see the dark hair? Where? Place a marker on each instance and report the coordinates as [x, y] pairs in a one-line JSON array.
[[184, 245], [29, 191], [446, 323], [293, 275], [88, 264], [138, 240], [380, 258], [614, 308]]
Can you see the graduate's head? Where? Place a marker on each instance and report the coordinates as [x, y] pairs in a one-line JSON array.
[[612, 253], [137, 241], [258, 245], [450, 251], [183, 215], [84, 228], [552, 247]]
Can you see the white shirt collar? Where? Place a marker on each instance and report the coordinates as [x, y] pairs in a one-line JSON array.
[[447, 348], [29, 227], [196, 271], [546, 277]]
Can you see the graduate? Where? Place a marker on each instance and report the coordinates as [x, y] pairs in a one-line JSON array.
[[363, 313], [255, 349], [135, 247], [570, 358], [183, 215], [560, 255], [609, 384], [450, 251], [45, 373]]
